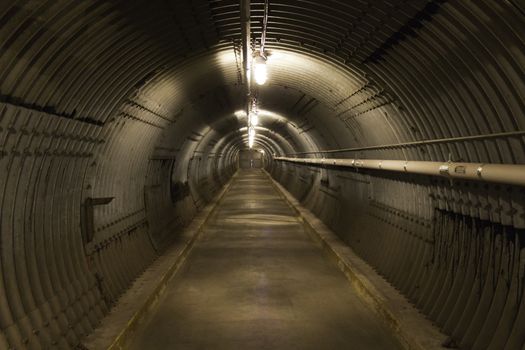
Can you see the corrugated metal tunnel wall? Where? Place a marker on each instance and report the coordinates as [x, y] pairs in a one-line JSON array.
[[118, 122]]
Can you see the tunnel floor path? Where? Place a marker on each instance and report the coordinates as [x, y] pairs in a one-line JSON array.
[[255, 280]]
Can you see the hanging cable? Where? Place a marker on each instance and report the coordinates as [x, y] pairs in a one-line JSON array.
[[265, 26]]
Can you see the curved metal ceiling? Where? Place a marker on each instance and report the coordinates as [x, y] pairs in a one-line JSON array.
[[364, 63]]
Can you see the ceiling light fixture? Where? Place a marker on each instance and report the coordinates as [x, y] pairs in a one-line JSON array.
[[251, 136], [260, 70], [254, 118]]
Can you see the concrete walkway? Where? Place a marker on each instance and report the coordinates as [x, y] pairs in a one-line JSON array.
[[256, 281]]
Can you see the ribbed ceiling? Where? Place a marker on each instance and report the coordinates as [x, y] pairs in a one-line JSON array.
[[386, 72]]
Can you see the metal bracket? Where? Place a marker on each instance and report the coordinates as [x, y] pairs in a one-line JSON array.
[[87, 216]]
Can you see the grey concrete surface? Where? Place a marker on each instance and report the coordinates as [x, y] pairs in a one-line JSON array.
[[256, 280]]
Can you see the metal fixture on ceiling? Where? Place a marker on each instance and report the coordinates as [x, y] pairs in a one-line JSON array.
[[260, 70], [259, 66], [246, 39]]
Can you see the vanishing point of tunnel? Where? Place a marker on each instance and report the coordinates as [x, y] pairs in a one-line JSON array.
[[262, 174]]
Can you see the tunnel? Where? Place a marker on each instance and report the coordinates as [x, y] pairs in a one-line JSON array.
[[264, 174]]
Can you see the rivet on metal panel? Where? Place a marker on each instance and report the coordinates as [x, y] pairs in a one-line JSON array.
[[479, 170], [444, 169]]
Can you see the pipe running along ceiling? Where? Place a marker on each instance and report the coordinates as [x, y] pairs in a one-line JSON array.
[[119, 120]]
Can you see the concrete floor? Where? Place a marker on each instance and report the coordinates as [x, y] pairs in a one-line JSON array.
[[255, 280]]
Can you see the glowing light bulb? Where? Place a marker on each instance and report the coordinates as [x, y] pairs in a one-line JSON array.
[[251, 136], [260, 70], [254, 119]]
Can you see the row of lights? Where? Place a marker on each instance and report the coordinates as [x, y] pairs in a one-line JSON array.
[[253, 121], [260, 75]]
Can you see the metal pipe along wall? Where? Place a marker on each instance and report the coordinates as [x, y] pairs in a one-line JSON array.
[[508, 174]]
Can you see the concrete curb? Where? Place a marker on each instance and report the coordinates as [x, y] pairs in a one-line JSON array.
[[412, 329], [177, 258]]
